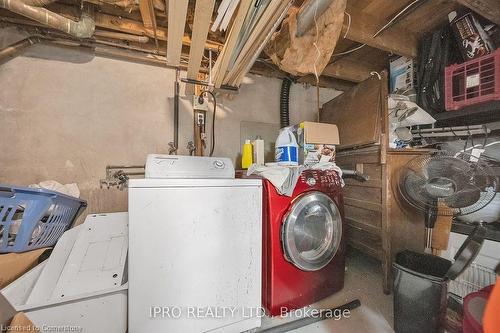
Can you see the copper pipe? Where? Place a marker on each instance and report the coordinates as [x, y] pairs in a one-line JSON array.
[[122, 36], [13, 50]]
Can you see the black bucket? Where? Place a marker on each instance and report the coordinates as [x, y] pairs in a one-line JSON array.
[[420, 292]]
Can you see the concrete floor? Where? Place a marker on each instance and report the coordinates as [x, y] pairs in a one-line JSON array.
[[364, 282]]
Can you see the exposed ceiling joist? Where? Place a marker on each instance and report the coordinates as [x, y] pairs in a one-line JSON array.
[[327, 82], [177, 11], [147, 13], [270, 70], [363, 26], [201, 25], [490, 9]]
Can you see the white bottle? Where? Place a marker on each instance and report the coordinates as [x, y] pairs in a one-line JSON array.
[[286, 152], [258, 151]]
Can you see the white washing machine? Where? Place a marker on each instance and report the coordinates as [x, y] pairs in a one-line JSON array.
[[195, 254]]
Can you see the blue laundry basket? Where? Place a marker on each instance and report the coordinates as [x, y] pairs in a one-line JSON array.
[[32, 218]]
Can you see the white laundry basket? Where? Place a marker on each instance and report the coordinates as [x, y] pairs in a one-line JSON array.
[[83, 286]]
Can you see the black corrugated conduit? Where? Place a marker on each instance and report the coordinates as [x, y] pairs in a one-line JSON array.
[[285, 102]]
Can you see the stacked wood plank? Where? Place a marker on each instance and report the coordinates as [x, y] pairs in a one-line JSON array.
[[177, 11], [234, 62]]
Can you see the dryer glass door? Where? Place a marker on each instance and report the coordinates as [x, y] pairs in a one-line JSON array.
[[312, 231]]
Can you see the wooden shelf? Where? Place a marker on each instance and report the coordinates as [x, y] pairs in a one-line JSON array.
[[410, 151]]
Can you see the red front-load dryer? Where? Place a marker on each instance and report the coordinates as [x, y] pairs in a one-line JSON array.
[[303, 242]]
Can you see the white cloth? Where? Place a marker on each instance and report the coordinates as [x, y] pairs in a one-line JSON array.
[[52, 185], [283, 178]]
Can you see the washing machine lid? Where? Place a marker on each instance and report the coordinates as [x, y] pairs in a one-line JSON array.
[[312, 231]]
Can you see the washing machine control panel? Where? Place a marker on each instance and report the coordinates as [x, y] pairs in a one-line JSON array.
[[328, 179], [311, 181]]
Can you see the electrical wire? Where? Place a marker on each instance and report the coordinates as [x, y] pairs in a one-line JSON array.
[[212, 146], [349, 19], [349, 51], [402, 11], [379, 31]]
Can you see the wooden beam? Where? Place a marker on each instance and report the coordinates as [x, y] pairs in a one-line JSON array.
[[177, 11], [489, 9], [148, 19], [349, 70], [225, 56], [363, 26], [202, 17], [327, 82], [272, 71]]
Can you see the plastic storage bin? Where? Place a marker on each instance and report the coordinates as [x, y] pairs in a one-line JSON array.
[[473, 82], [32, 218], [420, 292]]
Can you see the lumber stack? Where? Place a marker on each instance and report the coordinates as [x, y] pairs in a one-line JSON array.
[[251, 30]]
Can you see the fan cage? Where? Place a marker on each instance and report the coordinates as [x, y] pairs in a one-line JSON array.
[[473, 170]]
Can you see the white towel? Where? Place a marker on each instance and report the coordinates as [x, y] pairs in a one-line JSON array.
[[283, 178]]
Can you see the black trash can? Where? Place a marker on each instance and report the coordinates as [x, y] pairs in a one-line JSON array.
[[420, 292]]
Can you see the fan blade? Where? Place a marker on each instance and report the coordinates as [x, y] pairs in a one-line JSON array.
[[465, 197], [448, 167], [414, 185]]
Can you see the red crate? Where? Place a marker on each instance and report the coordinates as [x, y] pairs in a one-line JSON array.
[[473, 82]]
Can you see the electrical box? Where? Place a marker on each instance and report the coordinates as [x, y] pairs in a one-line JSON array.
[[200, 103]]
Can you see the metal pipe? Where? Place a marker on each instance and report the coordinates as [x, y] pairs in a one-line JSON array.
[[13, 50], [124, 167], [81, 29], [207, 84], [176, 110], [122, 36], [307, 13]]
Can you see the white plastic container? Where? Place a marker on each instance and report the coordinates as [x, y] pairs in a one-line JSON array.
[[258, 151], [83, 285], [286, 151]]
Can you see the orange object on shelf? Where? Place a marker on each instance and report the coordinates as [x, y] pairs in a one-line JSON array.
[[491, 318]]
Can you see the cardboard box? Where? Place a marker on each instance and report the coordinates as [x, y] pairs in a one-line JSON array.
[[21, 323], [402, 74], [13, 265], [316, 142]]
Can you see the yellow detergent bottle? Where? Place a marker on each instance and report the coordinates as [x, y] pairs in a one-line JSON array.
[[247, 155]]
